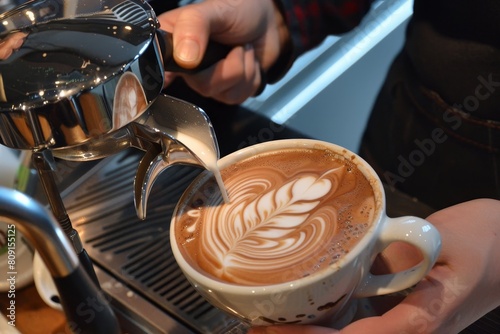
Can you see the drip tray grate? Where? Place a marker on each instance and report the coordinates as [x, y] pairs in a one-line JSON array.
[[137, 253]]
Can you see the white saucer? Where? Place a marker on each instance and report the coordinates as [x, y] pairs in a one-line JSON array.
[[45, 284]]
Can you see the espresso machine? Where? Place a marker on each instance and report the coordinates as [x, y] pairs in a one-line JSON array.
[[81, 91]]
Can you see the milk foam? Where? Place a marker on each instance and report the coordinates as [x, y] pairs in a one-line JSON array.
[[279, 225]]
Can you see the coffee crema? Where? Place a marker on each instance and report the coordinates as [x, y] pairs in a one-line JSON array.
[[292, 212]]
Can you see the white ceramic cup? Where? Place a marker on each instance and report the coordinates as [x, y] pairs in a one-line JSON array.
[[44, 283], [324, 296]]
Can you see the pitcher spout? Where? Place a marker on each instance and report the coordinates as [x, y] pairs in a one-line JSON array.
[[156, 160], [171, 132]]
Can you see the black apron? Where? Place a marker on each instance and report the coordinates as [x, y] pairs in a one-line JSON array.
[[434, 132]]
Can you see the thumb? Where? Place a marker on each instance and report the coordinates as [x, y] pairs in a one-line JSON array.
[[191, 33]]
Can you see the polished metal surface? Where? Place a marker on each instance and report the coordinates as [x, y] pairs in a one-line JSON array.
[[83, 80], [71, 69], [41, 229], [171, 132], [192, 142], [74, 286]]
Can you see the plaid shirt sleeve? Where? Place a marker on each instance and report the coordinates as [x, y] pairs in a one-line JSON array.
[[311, 21]]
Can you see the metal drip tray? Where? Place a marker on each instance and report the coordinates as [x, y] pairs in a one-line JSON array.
[[135, 255]]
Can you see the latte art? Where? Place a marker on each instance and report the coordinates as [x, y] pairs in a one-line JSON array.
[[289, 216]]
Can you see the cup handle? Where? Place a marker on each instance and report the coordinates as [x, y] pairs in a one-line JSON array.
[[414, 231]]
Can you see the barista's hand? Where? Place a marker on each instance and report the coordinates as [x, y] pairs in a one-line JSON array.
[[256, 29], [461, 287], [11, 43]]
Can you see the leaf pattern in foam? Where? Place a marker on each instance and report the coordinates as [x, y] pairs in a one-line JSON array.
[[259, 228]]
